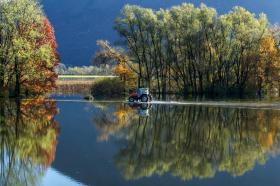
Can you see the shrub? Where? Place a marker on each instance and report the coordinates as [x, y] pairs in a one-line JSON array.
[[108, 88]]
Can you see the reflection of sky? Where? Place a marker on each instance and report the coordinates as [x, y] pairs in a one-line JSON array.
[[55, 178]]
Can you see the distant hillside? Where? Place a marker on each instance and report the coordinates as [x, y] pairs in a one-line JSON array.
[[80, 23]]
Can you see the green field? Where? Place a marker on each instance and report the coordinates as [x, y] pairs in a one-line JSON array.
[[80, 79]]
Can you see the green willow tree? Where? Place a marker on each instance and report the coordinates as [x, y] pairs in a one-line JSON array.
[[194, 50], [27, 49]]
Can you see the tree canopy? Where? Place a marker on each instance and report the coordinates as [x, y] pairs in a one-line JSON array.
[[193, 50], [27, 49]]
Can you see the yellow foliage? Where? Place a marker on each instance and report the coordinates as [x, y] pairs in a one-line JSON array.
[[269, 64], [123, 116], [266, 140], [268, 46], [124, 66], [121, 70]]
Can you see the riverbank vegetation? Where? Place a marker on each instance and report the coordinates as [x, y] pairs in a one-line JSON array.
[[28, 55], [193, 50], [108, 88]]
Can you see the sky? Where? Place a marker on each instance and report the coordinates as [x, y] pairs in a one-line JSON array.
[[55, 178], [79, 23]]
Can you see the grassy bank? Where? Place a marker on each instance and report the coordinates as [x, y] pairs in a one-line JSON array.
[[78, 84], [80, 79]]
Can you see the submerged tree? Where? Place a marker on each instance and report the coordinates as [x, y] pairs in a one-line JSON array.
[[195, 50], [27, 49], [269, 65]]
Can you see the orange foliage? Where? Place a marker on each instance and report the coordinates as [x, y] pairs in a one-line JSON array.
[[46, 71], [41, 112]]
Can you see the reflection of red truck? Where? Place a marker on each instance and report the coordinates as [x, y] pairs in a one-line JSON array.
[[143, 109], [142, 94]]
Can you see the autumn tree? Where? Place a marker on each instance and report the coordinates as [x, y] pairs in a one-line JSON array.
[[123, 66], [268, 65], [193, 50], [28, 49]]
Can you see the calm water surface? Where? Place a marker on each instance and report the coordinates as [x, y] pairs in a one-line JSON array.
[[51, 142]]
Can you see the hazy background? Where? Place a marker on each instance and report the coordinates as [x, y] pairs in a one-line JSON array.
[[79, 23]]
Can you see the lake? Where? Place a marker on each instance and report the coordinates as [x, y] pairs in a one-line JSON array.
[[68, 141]]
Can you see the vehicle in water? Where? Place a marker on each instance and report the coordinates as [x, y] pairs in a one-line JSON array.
[[141, 94]]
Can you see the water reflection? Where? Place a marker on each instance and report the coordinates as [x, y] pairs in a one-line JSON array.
[[143, 109], [189, 141], [28, 139]]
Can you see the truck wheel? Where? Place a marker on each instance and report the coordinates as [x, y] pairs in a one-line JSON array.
[[144, 98], [131, 99]]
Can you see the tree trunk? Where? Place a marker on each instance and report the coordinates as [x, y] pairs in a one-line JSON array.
[[18, 115], [259, 91], [2, 84], [163, 88], [200, 83], [241, 91], [17, 83], [185, 90], [278, 89]]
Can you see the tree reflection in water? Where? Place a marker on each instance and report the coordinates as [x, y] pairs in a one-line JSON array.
[[28, 139], [190, 141]]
